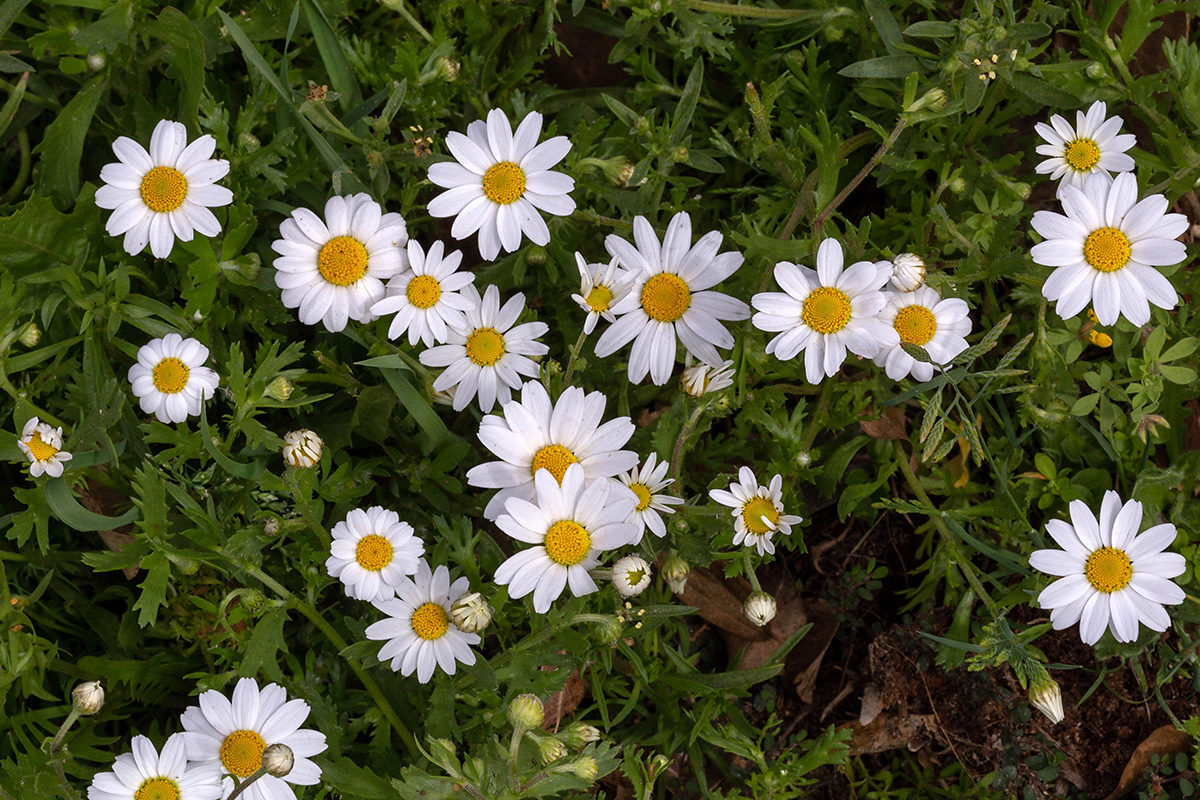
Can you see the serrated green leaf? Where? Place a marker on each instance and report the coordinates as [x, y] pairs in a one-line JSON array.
[[37, 235], [933, 413], [687, 104], [265, 645], [185, 56], [154, 588]]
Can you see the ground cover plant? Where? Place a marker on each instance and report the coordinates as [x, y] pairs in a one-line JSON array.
[[665, 398]]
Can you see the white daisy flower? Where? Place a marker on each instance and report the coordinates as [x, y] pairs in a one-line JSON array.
[[165, 193], [1110, 575], [427, 299], [705, 379], [647, 484], [570, 525], [1094, 146], [923, 318], [600, 288], [825, 312], [535, 434], [631, 575], [500, 182], [488, 355], [757, 510], [1105, 249], [42, 445], [372, 551], [419, 632], [333, 270], [170, 379], [232, 736], [144, 774]]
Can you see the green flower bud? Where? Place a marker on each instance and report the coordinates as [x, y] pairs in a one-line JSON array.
[[526, 712]]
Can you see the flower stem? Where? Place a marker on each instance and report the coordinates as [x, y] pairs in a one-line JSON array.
[[677, 454], [748, 570], [241, 787], [862, 173], [56, 745], [574, 355], [818, 417]]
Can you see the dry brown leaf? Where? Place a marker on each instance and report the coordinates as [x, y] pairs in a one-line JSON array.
[[872, 705], [99, 499], [890, 425], [811, 650], [892, 731], [1165, 741], [563, 702], [715, 602]]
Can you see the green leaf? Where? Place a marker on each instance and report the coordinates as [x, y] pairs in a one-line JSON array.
[[249, 472], [722, 681], [185, 55], [687, 104], [63, 505], [885, 24], [1181, 349], [1085, 405], [329, 45], [265, 643], [13, 102], [882, 67], [931, 29], [1179, 375], [1041, 92], [417, 406], [154, 588], [62, 147], [36, 236]]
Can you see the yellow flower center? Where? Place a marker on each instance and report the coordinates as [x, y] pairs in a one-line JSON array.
[[567, 543], [39, 448], [1082, 154], [665, 297], [485, 346], [170, 376], [241, 753], [424, 291], [915, 324], [504, 183], [157, 789], [826, 310], [1106, 249], [753, 512], [555, 458], [643, 495], [599, 298], [1108, 570], [373, 552], [430, 621], [164, 189], [343, 260]]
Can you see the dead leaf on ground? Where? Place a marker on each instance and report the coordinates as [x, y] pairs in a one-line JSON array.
[[100, 499], [890, 424], [563, 702], [892, 731], [1165, 741]]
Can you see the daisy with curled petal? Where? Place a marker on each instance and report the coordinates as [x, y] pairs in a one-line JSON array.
[[165, 193], [1095, 145], [601, 287], [1110, 575], [703, 379], [333, 270], [488, 356], [419, 632], [757, 510], [499, 180], [647, 483], [42, 445], [144, 774], [667, 298], [232, 737], [427, 299], [1105, 249], [825, 312], [372, 551], [570, 524], [170, 379], [535, 434], [924, 319]]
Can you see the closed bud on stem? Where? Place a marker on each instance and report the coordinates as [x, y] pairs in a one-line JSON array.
[[31, 335], [1046, 697], [302, 448], [526, 711], [631, 575], [536, 255], [280, 389], [471, 613], [88, 698], [675, 572], [908, 272], [441, 751], [249, 141], [277, 760], [447, 68], [933, 100], [550, 749], [579, 735], [584, 767], [759, 608]]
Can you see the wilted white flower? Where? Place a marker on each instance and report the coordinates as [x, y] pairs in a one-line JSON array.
[[42, 445], [704, 379]]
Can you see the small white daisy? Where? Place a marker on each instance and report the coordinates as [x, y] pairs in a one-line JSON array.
[[144, 774], [42, 445], [600, 288], [825, 312], [647, 483], [1105, 250], [427, 298], [419, 632], [631, 575], [165, 193], [372, 551], [488, 355], [757, 510], [923, 318], [1095, 145], [333, 270], [704, 379], [500, 181], [570, 525], [1111, 575], [535, 434], [170, 379], [232, 737], [667, 299]]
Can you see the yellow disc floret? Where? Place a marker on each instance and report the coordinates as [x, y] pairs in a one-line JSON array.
[[754, 512], [826, 310], [485, 346], [430, 621], [1108, 570], [39, 448], [666, 297], [599, 298], [241, 753], [643, 495], [157, 789], [915, 324], [504, 183], [567, 543], [555, 458], [1082, 154], [424, 291], [373, 552], [342, 261], [1107, 249], [170, 376], [164, 189]]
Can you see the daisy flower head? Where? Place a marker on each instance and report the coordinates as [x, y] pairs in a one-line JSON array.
[[705, 379], [427, 298], [571, 525], [499, 181], [535, 435], [1077, 154], [170, 379], [647, 484], [42, 445], [757, 510], [166, 193], [631, 575], [333, 270], [145, 774], [924, 319], [600, 288], [1109, 574], [372, 551], [1104, 250], [419, 632], [232, 736], [668, 298]]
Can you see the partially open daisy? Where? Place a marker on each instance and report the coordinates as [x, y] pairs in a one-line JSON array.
[[1105, 250], [600, 288], [757, 510], [488, 355], [165, 193], [570, 525], [1095, 145], [535, 435], [42, 445], [924, 319], [427, 299], [703, 379], [1111, 575], [170, 379], [333, 270], [825, 312], [647, 484], [631, 575], [419, 632], [667, 298], [372, 551], [144, 774], [500, 181]]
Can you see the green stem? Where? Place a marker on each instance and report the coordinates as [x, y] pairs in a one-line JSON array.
[[862, 173], [677, 454], [574, 355], [819, 415], [14, 191], [241, 787], [305, 503], [748, 570], [56, 745], [731, 10], [400, 8]]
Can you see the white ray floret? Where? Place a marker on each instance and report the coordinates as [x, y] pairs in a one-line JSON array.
[[647, 483], [372, 551], [600, 288], [1092, 147], [924, 319], [170, 379], [757, 510], [428, 298]]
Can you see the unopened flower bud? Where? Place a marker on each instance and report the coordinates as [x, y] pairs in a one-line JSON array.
[[96, 61], [804, 458], [1149, 424], [608, 631], [526, 711], [277, 760], [586, 768], [550, 748], [253, 600], [1095, 71], [631, 575], [31, 335], [675, 572], [248, 141], [471, 613], [302, 448], [280, 389], [705, 379], [759, 608], [271, 526], [447, 68], [536, 255], [441, 751], [908, 272], [1046, 697], [579, 735], [957, 185], [933, 100], [88, 698]]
